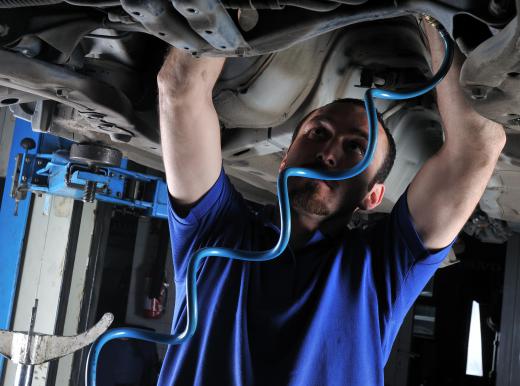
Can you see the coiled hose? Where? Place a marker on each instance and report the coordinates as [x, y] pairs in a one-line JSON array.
[[285, 228]]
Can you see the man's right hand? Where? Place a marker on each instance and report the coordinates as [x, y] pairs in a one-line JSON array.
[[190, 132]]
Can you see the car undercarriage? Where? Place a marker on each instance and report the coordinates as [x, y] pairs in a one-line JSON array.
[[86, 71]]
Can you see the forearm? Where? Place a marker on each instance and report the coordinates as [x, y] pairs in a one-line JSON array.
[[446, 190], [190, 132], [463, 126]]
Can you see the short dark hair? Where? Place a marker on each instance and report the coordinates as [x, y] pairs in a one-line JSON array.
[[388, 162]]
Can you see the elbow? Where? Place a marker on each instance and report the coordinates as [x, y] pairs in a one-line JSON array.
[[501, 139], [484, 137], [480, 146], [492, 139]]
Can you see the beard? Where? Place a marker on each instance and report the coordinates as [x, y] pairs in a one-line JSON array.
[[308, 199]]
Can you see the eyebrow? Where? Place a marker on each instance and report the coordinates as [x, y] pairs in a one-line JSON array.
[[353, 130]]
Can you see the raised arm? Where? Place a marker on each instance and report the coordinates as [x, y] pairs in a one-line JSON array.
[[448, 187], [190, 132]]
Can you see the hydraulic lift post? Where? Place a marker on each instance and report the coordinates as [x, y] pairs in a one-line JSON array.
[[13, 230], [47, 165]]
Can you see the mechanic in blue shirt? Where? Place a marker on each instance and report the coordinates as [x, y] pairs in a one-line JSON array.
[[327, 311]]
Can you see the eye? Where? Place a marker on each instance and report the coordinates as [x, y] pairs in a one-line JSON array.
[[356, 146], [318, 132]]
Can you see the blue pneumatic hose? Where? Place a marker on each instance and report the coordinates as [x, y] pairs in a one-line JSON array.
[[285, 228]]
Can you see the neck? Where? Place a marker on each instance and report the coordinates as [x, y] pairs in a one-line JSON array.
[[304, 225]]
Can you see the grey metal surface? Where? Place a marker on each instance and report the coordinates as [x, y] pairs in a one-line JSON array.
[[23, 375], [244, 96], [161, 20], [74, 294], [44, 275], [86, 312], [6, 137], [491, 76], [211, 21], [107, 108], [9, 96], [33, 349]]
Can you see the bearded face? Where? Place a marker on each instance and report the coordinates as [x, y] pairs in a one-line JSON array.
[[334, 137], [307, 198]]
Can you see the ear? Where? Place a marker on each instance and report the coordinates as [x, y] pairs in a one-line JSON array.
[[373, 198]]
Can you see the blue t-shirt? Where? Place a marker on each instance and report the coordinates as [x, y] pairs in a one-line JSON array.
[[326, 315]]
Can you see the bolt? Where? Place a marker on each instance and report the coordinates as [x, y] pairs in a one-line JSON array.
[[62, 93], [89, 192], [514, 122], [39, 162], [118, 194], [24, 178], [27, 160], [379, 81]]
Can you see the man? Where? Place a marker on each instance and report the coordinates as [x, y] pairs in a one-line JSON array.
[[326, 311]]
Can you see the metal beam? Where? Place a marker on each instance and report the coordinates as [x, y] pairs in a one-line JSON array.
[[12, 232]]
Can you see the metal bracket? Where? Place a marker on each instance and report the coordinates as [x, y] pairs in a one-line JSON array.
[[212, 22], [159, 17]]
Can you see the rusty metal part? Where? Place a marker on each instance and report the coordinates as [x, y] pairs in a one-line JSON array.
[[490, 76], [103, 104], [161, 20], [33, 348], [213, 23]]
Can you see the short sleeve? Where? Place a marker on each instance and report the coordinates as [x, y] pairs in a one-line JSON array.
[[402, 268], [213, 221]]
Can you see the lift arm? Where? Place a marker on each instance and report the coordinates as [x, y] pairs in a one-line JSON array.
[[60, 168]]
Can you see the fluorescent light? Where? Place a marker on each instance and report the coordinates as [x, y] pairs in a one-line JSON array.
[[474, 361]]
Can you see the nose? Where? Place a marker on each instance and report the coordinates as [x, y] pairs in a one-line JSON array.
[[327, 156]]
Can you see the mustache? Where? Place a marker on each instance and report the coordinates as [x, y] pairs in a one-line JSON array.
[[318, 166], [315, 165]]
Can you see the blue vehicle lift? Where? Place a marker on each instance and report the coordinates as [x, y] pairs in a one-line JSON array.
[[51, 170], [13, 223], [42, 164]]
